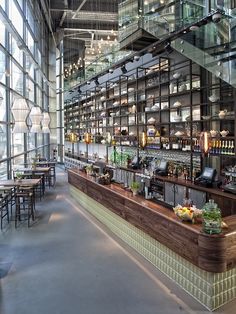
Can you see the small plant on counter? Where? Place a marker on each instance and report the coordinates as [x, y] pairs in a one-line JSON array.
[[89, 169], [19, 176], [135, 186]]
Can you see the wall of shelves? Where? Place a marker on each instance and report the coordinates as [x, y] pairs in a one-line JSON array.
[[172, 101]]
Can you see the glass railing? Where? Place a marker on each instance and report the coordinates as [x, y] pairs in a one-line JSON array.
[[99, 65], [212, 45]]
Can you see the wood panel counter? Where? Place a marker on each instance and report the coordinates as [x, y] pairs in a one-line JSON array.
[[213, 253]]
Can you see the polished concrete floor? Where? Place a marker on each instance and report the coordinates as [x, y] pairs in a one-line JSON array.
[[67, 263]]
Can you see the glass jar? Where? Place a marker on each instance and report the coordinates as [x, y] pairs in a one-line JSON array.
[[211, 215]]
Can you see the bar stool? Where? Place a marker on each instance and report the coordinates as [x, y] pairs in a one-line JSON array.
[[4, 207], [25, 204], [10, 192], [40, 188]]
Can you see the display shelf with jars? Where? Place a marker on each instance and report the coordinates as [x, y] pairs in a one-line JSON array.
[[169, 103]]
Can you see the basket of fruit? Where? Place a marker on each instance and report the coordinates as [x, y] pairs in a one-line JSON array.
[[190, 214]]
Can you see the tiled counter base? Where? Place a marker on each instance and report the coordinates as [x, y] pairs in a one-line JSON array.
[[211, 289]]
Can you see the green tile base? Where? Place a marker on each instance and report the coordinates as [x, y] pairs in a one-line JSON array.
[[210, 289]]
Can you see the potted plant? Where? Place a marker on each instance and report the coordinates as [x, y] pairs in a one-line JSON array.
[[19, 176], [135, 186], [89, 169]]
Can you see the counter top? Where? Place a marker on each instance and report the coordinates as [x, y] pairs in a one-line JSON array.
[[214, 253]]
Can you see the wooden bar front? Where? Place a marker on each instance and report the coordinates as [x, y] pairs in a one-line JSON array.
[[213, 253]]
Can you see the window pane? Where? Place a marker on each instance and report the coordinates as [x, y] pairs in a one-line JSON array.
[[2, 67], [2, 3], [30, 90], [2, 105], [3, 170], [3, 141], [15, 51], [17, 146], [16, 18], [16, 78], [30, 42], [2, 33]]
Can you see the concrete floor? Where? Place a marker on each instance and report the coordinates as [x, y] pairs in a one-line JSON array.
[[67, 263]]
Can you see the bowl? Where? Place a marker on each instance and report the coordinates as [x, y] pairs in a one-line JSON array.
[[177, 118], [206, 117], [213, 98], [190, 214], [179, 133], [176, 75], [177, 104], [151, 121]]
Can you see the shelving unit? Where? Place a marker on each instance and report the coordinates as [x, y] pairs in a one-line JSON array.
[[172, 101]]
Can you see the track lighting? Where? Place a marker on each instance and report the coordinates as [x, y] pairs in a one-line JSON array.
[[96, 82], [88, 82], [168, 47], [111, 70], [123, 69], [136, 58]]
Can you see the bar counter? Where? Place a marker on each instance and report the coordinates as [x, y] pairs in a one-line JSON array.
[[211, 254]]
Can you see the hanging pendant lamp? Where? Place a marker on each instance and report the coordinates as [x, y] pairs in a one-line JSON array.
[[45, 122], [36, 118], [20, 111]]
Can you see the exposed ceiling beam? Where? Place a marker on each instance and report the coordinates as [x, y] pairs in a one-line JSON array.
[[79, 8], [62, 18], [99, 31]]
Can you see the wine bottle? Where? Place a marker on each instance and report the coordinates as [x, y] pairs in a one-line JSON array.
[[216, 147], [232, 148], [212, 150], [219, 147], [222, 150], [226, 147]]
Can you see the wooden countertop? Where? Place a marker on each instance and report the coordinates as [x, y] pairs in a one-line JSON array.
[[214, 253]]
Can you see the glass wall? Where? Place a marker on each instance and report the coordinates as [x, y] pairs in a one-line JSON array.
[[24, 59]]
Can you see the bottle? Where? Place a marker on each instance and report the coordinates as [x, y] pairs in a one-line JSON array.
[[211, 215], [212, 150], [222, 151], [226, 148], [219, 147], [232, 148]]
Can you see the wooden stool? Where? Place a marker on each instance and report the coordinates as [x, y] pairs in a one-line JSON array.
[[24, 203], [4, 207]]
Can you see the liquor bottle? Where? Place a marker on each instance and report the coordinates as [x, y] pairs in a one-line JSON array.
[[222, 150], [232, 148], [184, 145], [180, 145], [226, 148], [219, 147], [213, 147], [167, 145]]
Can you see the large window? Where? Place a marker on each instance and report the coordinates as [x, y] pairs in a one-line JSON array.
[[16, 78], [16, 18], [2, 33], [2, 67]]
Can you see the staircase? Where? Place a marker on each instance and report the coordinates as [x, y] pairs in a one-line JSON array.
[[212, 45]]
